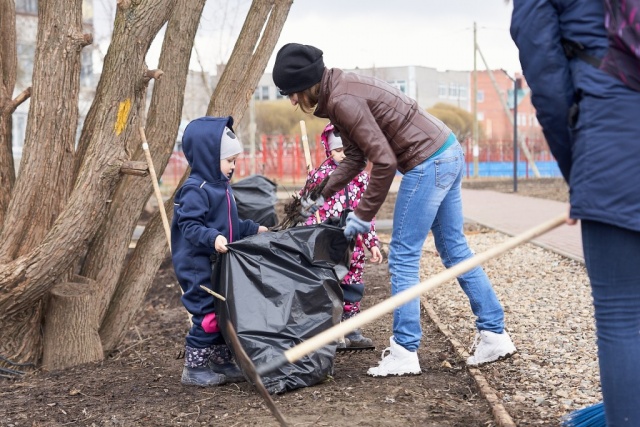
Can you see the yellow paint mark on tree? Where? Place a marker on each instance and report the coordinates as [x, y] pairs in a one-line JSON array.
[[123, 115]]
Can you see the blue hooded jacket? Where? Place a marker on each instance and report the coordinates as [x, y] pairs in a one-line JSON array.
[[598, 153], [204, 208]]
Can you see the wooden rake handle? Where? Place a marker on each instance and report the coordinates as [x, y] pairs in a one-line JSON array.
[[307, 154], [156, 187], [388, 305], [305, 145]]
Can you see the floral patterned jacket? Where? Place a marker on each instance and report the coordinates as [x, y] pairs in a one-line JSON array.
[[348, 198]]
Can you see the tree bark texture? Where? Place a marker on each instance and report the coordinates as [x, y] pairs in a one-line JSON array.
[[149, 253], [111, 125], [44, 182], [249, 58], [71, 326], [8, 71]]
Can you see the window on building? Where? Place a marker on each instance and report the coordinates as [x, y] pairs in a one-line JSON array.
[[27, 6], [86, 70], [26, 54], [261, 93], [480, 95], [522, 119], [453, 90], [462, 92], [480, 116], [19, 128], [443, 90], [399, 84]]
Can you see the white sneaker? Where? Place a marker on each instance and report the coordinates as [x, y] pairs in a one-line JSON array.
[[490, 347], [398, 361]]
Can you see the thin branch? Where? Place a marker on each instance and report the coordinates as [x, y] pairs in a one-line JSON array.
[[154, 74], [26, 94], [124, 4]]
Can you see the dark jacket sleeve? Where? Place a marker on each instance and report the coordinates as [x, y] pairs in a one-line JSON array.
[[535, 29], [247, 228], [365, 141], [191, 218]]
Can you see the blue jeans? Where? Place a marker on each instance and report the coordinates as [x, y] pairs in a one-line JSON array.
[[429, 198], [611, 255]]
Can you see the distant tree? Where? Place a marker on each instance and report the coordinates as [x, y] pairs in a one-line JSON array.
[[72, 211], [457, 119], [279, 117]]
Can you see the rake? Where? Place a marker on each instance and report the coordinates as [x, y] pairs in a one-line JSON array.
[[334, 333], [591, 416]]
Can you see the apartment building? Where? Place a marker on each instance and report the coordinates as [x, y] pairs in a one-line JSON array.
[[495, 107], [425, 84]]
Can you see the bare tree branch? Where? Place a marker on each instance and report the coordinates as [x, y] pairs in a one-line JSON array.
[[22, 97]]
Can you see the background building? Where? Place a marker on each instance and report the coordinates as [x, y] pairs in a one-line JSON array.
[[425, 84]]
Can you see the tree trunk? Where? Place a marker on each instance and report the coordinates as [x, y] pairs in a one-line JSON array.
[[44, 183], [150, 249], [249, 58], [71, 325], [105, 260], [45, 180], [25, 280], [8, 70]]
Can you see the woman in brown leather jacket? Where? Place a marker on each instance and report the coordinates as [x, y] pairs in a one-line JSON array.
[[381, 124]]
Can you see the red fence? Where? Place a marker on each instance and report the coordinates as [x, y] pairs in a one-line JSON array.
[[281, 158], [278, 157]]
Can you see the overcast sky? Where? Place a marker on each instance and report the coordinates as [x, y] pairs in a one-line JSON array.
[[365, 33], [431, 33]]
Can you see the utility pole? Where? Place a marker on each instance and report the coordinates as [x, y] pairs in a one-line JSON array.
[[252, 135], [475, 106], [516, 86]]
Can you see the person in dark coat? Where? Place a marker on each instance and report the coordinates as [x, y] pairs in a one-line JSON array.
[[591, 121], [205, 219]]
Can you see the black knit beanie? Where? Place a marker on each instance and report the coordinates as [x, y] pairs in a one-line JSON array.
[[298, 67]]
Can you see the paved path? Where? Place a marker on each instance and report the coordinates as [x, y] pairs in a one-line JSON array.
[[512, 214]]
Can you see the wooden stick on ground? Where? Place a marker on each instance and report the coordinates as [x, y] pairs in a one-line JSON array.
[[156, 187], [307, 154]]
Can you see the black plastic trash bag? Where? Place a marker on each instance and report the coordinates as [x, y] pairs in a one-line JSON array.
[[256, 198], [282, 288]]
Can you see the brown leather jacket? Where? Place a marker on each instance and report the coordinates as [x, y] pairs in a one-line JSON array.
[[377, 123]]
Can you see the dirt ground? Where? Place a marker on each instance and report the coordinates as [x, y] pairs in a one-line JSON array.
[[139, 385]]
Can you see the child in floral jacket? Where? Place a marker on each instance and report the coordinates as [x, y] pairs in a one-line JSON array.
[[348, 198]]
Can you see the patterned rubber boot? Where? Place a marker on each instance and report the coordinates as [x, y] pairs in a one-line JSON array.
[[221, 361], [197, 370], [354, 339]]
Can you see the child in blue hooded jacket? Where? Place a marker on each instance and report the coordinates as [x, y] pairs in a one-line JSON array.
[[205, 219]]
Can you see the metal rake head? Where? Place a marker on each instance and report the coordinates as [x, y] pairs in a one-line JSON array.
[[354, 349], [249, 369]]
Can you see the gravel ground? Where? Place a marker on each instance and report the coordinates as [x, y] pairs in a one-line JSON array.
[[549, 316], [548, 310]]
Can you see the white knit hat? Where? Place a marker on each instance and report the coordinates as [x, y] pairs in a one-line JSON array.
[[230, 145], [334, 140]]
